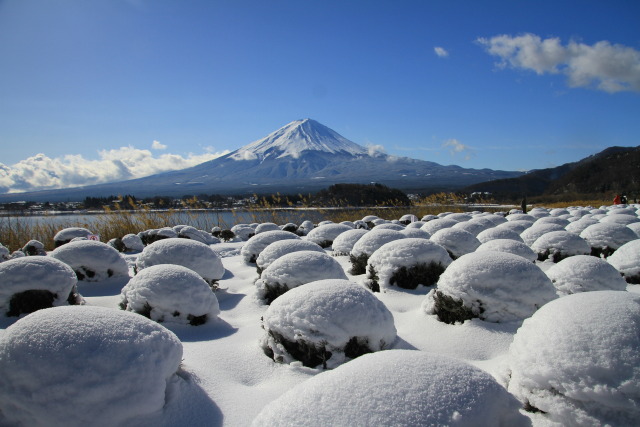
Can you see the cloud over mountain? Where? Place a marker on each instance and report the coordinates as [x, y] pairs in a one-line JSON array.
[[41, 172], [605, 66]]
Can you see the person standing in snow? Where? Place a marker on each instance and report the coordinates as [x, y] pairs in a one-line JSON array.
[[617, 200], [623, 199]]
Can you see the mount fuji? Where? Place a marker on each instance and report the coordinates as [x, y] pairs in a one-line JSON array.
[[301, 157]]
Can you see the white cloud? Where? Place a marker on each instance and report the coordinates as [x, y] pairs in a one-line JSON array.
[[375, 149], [605, 66], [456, 147], [441, 52], [41, 172], [158, 146]]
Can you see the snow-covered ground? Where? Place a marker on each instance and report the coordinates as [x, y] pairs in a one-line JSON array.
[[226, 377]]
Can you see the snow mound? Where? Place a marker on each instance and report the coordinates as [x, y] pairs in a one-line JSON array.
[[517, 226], [635, 227], [92, 261], [456, 242], [474, 226], [367, 245], [627, 261], [396, 387], [582, 273], [521, 217], [34, 248], [407, 263], [552, 220], [500, 232], [67, 234], [438, 224], [416, 233], [187, 253], [326, 234], [622, 219], [326, 322], [509, 246], [257, 243], [79, 366], [295, 269], [493, 286], [32, 283], [396, 227], [170, 293], [305, 227], [532, 233], [577, 359], [189, 232], [557, 245], [578, 226], [243, 231], [343, 244], [132, 243], [5, 255], [266, 226], [605, 238], [282, 247], [416, 224]]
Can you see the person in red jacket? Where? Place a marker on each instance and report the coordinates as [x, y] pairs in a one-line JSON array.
[[617, 200]]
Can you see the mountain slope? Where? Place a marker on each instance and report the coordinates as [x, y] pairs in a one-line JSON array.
[[301, 157]]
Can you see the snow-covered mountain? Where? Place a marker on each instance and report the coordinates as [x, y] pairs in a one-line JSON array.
[[301, 157]]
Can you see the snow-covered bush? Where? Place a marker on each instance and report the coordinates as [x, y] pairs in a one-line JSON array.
[[584, 273], [266, 226], [282, 247], [459, 216], [150, 236], [326, 234], [81, 366], [492, 286], [187, 253], [132, 243], [92, 261], [390, 226], [509, 246], [438, 224], [325, 323], [605, 238], [367, 245], [456, 242], [305, 227], [5, 255], [521, 217], [558, 245], [170, 293], [416, 233], [532, 233], [622, 219], [552, 220], [243, 231], [34, 248], [627, 261], [415, 224], [408, 219], [67, 234], [295, 269], [474, 226], [257, 243], [189, 232], [400, 388], [539, 212], [576, 360], [406, 263], [500, 232], [343, 244], [32, 283], [578, 226], [635, 227]]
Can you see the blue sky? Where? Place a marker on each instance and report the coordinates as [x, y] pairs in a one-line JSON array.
[[132, 87]]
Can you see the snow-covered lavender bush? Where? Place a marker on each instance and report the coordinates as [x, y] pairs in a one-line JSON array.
[[243, 231], [326, 234], [305, 227], [474, 226], [92, 261], [150, 236], [266, 226], [34, 248], [606, 238], [635, 227], [521, 217], [388, 226], [81, 366], [343, 244], [295, 269], [415, 224], [282, 247], [576, 360], [325, 323], [170, 293], [67, 234], [189, 232], [509, 246], [257, 243], [187, 253], [132, 243], [532, 233], [367, 245], [408, 219], [493, 286], [552, 220], [456, 242], [5, 254], [32, 283], [400, 388], [583, 273], [622, 219], [438, 224], [406, 263], [578, 226], [500, 232], [558, 245], [627, 261], [416, 233]]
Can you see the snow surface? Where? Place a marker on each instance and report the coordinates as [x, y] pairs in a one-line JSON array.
[[328, 314], [187, 253], [283, 247], [627, 259], [371, 241], [80, 366], [562, 243], [133, 243], [509, 246], [400, 388], [31, 273], [326, 234], [532, 233], [500, 232], [457, 242], [582, 273], [607, 235], [94, 260], [343, 244], [172, 293], [577, 359], [256, 244]]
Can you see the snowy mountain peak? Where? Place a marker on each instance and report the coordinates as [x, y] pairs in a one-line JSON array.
[[295, 138]]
